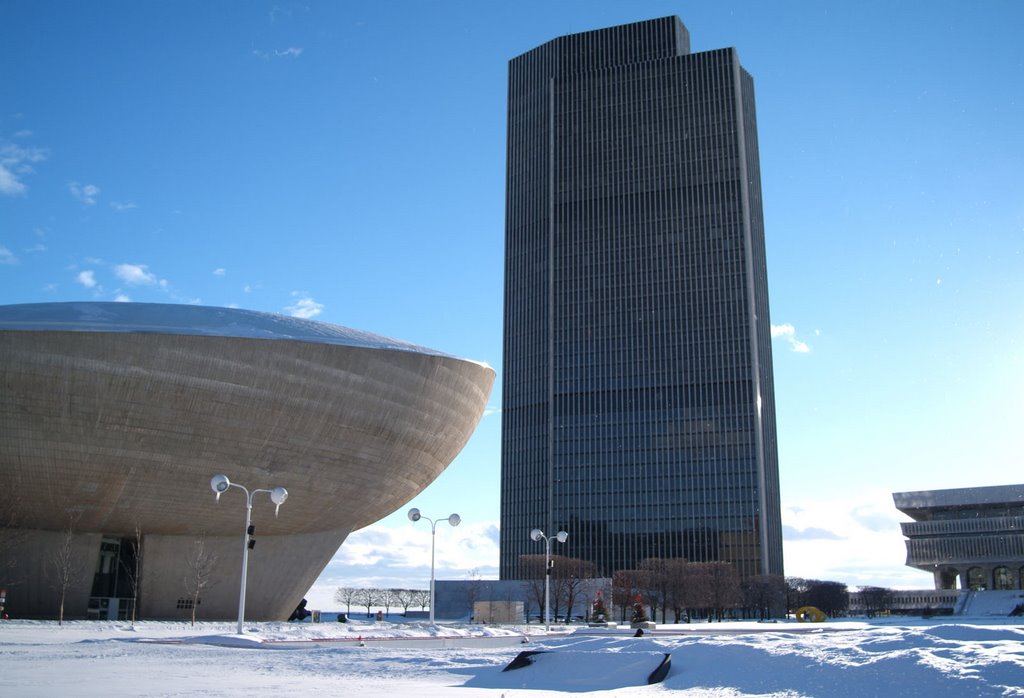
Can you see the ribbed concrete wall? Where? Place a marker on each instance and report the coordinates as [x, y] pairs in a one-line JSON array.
[[105, 430]]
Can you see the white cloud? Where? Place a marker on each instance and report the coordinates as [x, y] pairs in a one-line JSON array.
[[136, 275], [9, 184], [784, 330], [86, 193], [122, 205], [788, 332], [15, 163], [6, 256], [219, 271], [305, 307], [854, 538], [122, 298], [87, 278]]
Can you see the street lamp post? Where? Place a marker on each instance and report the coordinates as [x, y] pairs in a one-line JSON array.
[[536, 535], [454, 520], [220, 484]]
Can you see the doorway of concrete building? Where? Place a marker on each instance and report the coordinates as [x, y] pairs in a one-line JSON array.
[[114, 583]]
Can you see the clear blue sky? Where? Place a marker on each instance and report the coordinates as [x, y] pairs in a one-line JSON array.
[[345, 161]]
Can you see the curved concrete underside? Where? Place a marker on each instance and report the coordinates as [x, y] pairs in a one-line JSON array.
[[106, 431]]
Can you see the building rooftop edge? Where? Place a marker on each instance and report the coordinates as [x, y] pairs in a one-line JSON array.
[[958, 497], [196, 320], [597, 30]]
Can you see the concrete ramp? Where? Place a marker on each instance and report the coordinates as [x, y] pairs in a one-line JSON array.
[[989, 603], [579, 671]]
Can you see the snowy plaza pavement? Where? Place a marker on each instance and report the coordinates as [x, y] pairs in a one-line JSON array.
[[966, 657]]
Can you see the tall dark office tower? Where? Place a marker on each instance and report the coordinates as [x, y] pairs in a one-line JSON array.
[[638, 407]]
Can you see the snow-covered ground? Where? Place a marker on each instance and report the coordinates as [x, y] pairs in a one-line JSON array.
[[965, 657]]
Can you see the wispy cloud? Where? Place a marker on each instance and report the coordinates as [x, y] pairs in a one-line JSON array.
[[305, 307], [123, 205], [6, 256], [87, 278], [122, 298], [788, 332], [287, 11], [220, 271], [15, 164], [135, 274], [290, 52], [86, 193]]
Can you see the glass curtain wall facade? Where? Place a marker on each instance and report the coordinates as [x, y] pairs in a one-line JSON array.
[[638, 404]]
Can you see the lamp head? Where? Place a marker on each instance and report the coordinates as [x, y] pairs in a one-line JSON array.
[[219, 484], [536, 534], [562, 536], [414, 514], [278, 495], [454, 519]]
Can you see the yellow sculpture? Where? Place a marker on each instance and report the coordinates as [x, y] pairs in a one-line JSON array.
[[810, 614]]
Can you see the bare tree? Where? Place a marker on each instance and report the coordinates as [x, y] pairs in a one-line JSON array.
[[764, 594], [876, 599], [571, 578], [12, 537], [625, 588], [386, 597], [367, 597], [66, 570], [830, 597], [695, 588], [656, 580], [473, 591], [531, 567], [134, 571], [725, 587], [675, 586], [405, 598], [346, 595], [199, 572], [421, 598]]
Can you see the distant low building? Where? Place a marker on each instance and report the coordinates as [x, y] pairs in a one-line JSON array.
[[461, 599], [913, 602], [968, 538], [498, 612]]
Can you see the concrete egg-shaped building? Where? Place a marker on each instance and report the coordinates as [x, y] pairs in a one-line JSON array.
[[114, 417]]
